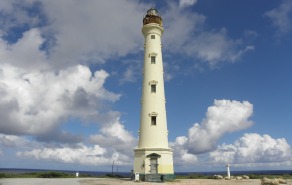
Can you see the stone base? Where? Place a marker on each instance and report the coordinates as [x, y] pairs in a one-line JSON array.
[[157, 177]]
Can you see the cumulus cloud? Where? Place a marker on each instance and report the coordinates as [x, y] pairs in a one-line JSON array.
[[25, 53], [253, 148], [112, 144], [281, 17], [80, 154], [80, 35], [225, 116], [35, 99], [133, 71], [215, 47], [35, 103], [186, 3], [116, 136], [43, 84], [83, 35], [186, 35], [181, 155], [180, 27], [14, 14], [12, 141]]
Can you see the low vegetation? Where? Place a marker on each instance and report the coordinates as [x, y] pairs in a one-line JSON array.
[[194, 176], [271, 176], [251, 176], [51, 174], [56, 174]]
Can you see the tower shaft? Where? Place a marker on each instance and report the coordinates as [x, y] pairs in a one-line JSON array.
[[153, 156], [153, 123]]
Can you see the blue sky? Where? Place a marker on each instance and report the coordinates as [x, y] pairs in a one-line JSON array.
[[71, 76]]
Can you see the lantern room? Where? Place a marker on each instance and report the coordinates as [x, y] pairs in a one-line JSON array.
[[152, 16]]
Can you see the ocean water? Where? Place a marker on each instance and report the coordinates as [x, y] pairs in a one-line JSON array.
[[92, 173], [127, 174]]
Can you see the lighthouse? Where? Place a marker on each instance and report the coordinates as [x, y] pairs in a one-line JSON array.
[[153, 157]]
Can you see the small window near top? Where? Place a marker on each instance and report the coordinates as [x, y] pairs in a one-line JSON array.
[[152, 36], [153, 60], [153, 120], [153, 88]]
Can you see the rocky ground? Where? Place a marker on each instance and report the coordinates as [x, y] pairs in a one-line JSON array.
[[177, 182], [101, 181]]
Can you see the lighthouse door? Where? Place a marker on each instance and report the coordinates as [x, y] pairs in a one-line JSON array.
[[153, 165]]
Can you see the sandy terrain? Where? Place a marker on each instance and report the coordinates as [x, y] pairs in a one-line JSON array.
[[100, 181], [177, 182], [39, 181]]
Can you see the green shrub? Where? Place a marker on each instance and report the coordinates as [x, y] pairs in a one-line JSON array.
[[53, 174]]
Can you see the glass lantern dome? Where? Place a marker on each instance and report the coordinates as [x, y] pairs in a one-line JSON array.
[[152, 11], [152, 16]]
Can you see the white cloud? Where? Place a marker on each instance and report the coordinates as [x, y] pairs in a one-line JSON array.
[[25, 53], [216, 47], [93, 31], [186, 3], [36, 102], [181, 155], [114, 135], [42, 83], [223, 117], [81, 154], [133, 72], [15, 14], [78, 153], [180, 27], [281, 17], [12, 141], [185, 34], [253, 148]]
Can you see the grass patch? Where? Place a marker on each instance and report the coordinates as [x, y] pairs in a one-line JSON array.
[[111, 176], [50, 174], [53, 174], [194, 176]]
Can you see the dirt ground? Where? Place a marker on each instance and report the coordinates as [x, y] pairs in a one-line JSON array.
[[101, 181], [176, 182]]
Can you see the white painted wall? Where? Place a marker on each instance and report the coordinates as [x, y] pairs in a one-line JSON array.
[[153, 138]]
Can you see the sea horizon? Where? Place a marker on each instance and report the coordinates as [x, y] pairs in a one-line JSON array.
[[123, 173]]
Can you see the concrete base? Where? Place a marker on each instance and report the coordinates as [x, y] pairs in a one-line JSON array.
[[157, 177], [164, 160]]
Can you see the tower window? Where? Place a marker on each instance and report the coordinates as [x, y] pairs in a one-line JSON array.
[[153, 88], [153, 120], [152, 36], [153, 59]]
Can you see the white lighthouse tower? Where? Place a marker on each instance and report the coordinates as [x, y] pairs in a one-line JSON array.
[[153, 155]]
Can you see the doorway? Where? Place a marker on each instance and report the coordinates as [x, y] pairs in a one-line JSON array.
[[153, 166]]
